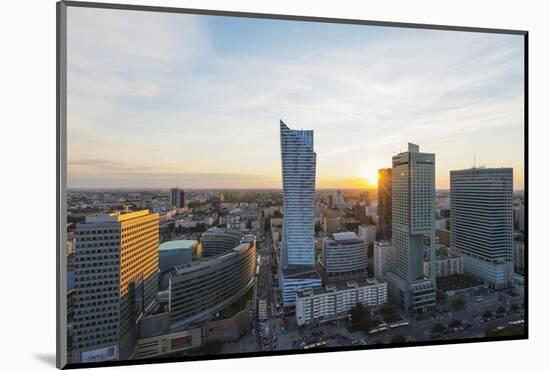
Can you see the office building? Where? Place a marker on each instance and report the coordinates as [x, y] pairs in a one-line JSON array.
[[384, 209], [519, 257], [446, 265], [336, 300], [332, 225], [413, 228], [177, 198], [344, 258], [338, 199], [383, 258], [218, 240], [116, 277], [200, 290], [367, 233], [482, 223], [297, 268], [360, 212], [177, 252], [167, 343]]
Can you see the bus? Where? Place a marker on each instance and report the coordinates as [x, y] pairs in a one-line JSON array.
[[379, 329], [399, 324], [315, 345]]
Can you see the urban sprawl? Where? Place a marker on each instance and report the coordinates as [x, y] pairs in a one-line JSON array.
[[190, 272]]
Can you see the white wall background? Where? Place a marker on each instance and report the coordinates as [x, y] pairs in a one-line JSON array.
[[27, 112]]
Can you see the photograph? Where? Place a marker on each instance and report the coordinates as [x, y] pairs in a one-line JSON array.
[[240, 184]]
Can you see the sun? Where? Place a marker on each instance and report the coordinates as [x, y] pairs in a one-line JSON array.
[[371, 176]]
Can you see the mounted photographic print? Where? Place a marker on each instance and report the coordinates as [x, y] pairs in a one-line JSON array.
[[236, 184]]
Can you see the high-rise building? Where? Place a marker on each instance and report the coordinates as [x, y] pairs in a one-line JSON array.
[[367, 233], [116, 277], [298, 253], [338, 199], [413, 228], [482, 223], [177, 198], [364, 197], [360, 212], [383, 258], [385, 203]]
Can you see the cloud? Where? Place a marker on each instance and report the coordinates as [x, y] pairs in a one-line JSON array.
[[165, 90]]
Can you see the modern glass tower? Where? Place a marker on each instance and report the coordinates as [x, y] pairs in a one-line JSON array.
[[384, 202], [298, 239], [482, 223], [298, 164], [413, 227]]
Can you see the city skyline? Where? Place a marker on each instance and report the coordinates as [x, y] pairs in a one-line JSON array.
[[194, 101]]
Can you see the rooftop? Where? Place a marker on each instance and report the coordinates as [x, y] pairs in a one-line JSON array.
[[177, 244], [344, 236], [340, 286]]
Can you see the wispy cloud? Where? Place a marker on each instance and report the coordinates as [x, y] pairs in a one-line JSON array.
[[200, 95]]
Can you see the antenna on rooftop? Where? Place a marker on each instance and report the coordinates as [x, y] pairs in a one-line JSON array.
[[474, 160]]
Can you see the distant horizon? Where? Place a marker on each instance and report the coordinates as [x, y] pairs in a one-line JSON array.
[[223, 189]]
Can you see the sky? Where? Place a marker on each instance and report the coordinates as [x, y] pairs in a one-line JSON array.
[[163, 100]]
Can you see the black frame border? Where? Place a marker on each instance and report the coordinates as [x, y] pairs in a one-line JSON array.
[[61, 89]]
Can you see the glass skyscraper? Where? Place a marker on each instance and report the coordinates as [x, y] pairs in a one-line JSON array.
[[298, 164], [297, 253], [482, 222]]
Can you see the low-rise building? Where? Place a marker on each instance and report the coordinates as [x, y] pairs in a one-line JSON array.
[[337, 299], [169, 343], [452, 264]]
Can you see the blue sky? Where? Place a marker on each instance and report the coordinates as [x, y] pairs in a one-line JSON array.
[[159, 100]]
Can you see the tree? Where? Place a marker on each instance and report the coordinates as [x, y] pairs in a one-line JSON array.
[[500, 310], [317, 228], [438, 328], [360, 318], [454, 323], [213, 346], [398, 339], [487, 314], [387, 309], [458, 303], [514, 307]]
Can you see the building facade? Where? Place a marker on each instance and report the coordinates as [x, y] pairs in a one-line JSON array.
[[199, 290], [446, 266], [177, 252], [344, 258], [385, 203], [482, 223], [336, 300], [298, 240], [116, 277], [367, 233], [217, 241], [383, 258], [413, 228]]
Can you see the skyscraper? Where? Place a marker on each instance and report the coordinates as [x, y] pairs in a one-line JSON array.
[[177, 198], [298, 173], [116, 273], [298, 164], [385, 203], [482, 222], [413, 227]]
